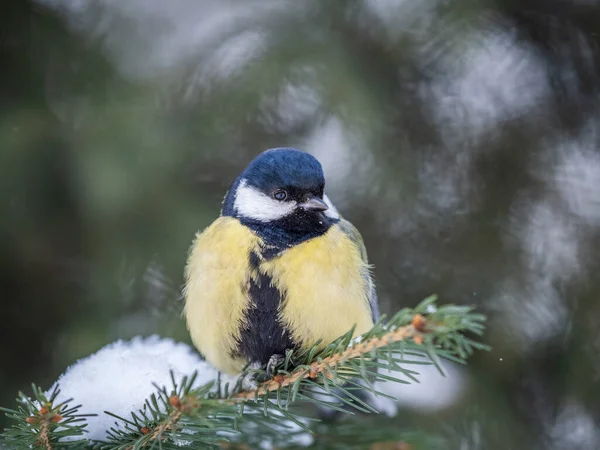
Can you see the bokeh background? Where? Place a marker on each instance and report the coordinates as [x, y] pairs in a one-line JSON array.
[[460, 136]]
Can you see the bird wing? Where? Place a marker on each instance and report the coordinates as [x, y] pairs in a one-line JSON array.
[[354, 235]]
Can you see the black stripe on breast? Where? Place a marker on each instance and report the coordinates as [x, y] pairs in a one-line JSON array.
[[263, 335]]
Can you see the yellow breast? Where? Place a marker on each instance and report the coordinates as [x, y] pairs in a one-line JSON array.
[[216, 291], [324, 286], [322, 282]]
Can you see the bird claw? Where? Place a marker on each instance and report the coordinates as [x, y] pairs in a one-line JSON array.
[[274, 361]]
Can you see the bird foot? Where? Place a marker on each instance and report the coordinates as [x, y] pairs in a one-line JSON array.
[[274, 361]]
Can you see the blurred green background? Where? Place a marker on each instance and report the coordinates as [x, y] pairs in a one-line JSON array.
[[460, 136]]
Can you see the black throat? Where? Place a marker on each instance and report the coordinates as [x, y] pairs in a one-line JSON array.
[[289, 231], [279, 235]]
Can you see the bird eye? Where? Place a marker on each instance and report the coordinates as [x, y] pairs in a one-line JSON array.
[[280, 195]]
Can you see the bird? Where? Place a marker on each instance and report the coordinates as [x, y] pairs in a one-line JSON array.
[[280, 269]]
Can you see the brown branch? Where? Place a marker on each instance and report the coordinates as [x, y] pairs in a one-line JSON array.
[[44, 435], [181, 406], [44, 418], [165, 426], [187, 404], [413, 331]]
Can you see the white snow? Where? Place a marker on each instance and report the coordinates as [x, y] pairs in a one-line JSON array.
[[118, 378], [293, 435], [434, 392]]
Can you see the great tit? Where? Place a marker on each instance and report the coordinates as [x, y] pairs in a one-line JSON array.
[[279, 269]]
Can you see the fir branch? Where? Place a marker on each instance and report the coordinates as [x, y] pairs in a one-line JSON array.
[[334, 370], [40, 423], [436, 331], [331, 377], [186, 414], [325, 365]]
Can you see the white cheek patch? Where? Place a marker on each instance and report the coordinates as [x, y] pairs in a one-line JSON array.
[[332, 212], [253, 204]]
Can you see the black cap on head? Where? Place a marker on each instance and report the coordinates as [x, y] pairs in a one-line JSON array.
[[285, 168]]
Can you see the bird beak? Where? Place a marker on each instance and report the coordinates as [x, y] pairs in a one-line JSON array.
[[314, 204]]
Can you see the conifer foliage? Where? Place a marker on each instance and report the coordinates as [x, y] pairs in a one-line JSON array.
[[278, 411]]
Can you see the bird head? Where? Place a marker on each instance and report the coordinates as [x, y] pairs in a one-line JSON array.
[[282, 187]]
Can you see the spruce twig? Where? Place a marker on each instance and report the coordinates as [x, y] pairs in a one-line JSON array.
[[324, 366], [41, 423], [212, 415]]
